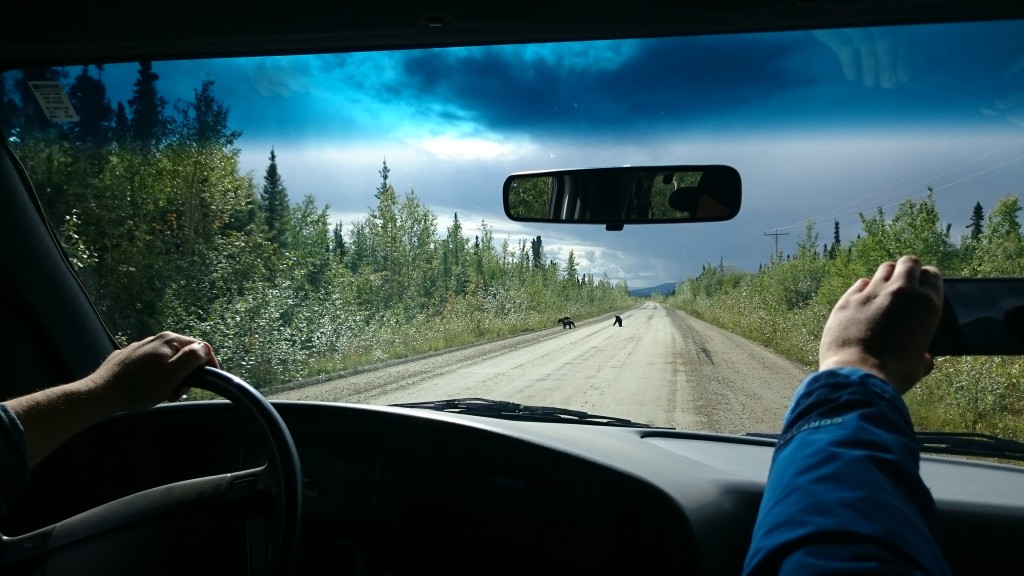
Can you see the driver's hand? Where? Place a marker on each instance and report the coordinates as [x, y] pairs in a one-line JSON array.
[[885, 325], [150, 371]]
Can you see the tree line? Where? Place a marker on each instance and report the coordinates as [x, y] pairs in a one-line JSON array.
[[785, 303], [166, 232]]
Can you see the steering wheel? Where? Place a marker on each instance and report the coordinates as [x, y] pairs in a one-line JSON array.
[[137, 533]]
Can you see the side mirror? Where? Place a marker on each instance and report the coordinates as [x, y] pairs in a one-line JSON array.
[[629, 195]]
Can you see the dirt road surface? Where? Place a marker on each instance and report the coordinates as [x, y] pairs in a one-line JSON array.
[[662, 367]]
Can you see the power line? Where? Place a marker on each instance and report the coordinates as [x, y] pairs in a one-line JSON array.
[[945, 186], [776, 234], [843, 212]]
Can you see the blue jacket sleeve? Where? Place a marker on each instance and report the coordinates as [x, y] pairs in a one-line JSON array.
[[14, 472], [844, 493]]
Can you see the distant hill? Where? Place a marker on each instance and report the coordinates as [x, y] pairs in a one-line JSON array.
[[667, 289]]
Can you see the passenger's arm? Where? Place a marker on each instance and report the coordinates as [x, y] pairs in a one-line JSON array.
[[844, 493]]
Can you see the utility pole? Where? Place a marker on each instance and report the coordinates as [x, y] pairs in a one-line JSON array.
[[776, 234]]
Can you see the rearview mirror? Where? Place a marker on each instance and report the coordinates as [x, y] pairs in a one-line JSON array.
[[628, 195]]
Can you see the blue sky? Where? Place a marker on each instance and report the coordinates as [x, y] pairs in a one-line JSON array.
[[944, 107]]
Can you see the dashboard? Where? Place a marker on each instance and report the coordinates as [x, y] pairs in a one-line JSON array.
[[397, 491]]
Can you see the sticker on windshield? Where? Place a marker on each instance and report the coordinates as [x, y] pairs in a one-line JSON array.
[[54, 101]]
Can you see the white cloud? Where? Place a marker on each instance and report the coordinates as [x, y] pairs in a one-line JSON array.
[[454, 147]]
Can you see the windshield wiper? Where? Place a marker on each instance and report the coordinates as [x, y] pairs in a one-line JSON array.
[[955, 444], [513, 411], [970, 444]]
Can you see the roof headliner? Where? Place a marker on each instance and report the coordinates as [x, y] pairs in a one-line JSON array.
[[81, 34]]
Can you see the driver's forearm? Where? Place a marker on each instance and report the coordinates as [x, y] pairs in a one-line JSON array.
[[49, 417]]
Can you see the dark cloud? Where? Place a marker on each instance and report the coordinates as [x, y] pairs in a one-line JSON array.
[[654, 85], [735, 81], [659, 80]]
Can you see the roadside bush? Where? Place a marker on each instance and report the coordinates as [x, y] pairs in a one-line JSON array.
[[785, 305]]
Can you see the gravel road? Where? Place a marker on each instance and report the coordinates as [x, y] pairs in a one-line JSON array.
[[661, 367]]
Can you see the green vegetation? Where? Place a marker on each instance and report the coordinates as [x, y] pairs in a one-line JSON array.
[[167, 233], [785, 304]]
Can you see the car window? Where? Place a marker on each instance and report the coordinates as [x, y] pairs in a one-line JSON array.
[[312, 215]]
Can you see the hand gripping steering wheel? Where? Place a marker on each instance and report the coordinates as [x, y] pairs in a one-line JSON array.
[[139, 532]]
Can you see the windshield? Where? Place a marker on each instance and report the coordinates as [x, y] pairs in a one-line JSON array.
[[331, 223]]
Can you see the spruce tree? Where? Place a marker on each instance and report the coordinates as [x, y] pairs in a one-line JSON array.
[[977, 216], [383, 187], [122, 125], [338, 247], [147, 110], [384, 228], [537, 251], [276, 209], [88, 95], [453, 261]]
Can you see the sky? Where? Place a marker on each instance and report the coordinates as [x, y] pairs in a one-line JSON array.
[[820, 126]]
